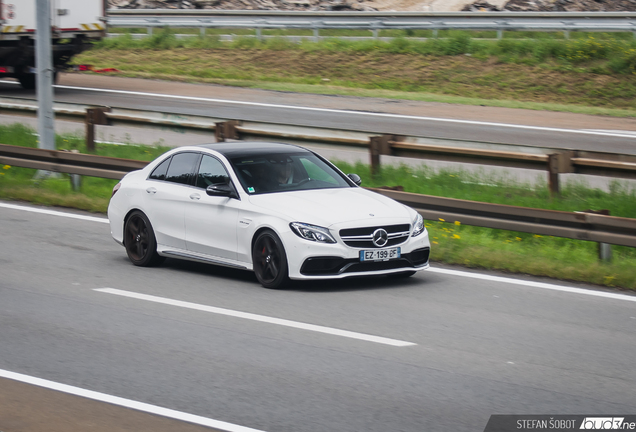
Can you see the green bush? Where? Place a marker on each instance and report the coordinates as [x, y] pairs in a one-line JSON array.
[[456, 45]]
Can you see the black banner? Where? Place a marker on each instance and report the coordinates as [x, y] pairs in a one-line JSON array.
[[553, 423]]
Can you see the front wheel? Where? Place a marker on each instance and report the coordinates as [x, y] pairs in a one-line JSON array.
[[270, 260], [140, 242]]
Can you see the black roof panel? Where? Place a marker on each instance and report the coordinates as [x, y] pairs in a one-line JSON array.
[[251, 148]]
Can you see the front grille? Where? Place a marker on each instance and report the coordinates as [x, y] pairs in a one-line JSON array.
[[326, 266], [363, 237]]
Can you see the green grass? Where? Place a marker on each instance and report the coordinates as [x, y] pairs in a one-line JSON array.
[[618, 53], [452, 242]]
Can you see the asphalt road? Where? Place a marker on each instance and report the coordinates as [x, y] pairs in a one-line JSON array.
[[479, 345], [511, 126]]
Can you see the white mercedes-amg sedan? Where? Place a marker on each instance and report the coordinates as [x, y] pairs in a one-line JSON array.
[[279, 210]]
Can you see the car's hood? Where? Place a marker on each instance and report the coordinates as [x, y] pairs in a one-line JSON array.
[[326, 207]]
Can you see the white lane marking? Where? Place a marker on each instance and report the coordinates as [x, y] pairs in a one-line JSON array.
[[431, 269], [534, 284], [260, 318], [632, 134], [361, 113], [54, 213], [127, 403]]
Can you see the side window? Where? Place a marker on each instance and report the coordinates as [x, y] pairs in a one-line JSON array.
[[159, 173], [211, 171], [181, 167]]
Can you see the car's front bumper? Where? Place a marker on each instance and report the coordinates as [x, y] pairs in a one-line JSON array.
[[311, 260]]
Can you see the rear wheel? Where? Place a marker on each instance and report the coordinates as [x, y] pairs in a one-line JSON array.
[[27, 81], [140, 242], [270, 260]]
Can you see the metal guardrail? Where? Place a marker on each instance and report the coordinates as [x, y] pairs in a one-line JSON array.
[[576, 225], [553, 161], [68, 162], [581, 226], [375, 21]]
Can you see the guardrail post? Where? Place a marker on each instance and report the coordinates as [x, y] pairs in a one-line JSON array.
[[259, 34], [76, 179], [94, 116], [316, 35], [553, 174], [378, 145], [226, 130], [558, 163], [499, 34], [604, 249]]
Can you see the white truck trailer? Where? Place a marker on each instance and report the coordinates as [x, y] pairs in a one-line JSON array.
[[74, 24]]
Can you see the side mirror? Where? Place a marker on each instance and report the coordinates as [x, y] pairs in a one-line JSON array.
[[221, 189], [355, 178]]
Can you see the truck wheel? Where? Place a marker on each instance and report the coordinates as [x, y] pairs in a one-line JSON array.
[[27, 81]]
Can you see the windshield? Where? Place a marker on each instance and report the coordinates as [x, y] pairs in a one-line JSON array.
[[286, 172]]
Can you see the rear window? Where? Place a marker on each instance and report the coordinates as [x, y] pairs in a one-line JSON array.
[[159, 173]]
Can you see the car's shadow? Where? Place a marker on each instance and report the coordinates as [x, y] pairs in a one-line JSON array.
[[330, 285]]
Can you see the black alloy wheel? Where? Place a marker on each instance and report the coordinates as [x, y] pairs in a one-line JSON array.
[[270, 260], [140, 242]]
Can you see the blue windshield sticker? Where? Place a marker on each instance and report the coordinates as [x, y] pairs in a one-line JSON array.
[[250, 189]]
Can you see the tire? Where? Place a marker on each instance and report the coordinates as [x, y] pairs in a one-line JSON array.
[[140, 242], [270, 261], [402, 275], [27, 81]]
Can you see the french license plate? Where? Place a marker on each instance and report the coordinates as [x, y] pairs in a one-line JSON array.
[[380, 254]]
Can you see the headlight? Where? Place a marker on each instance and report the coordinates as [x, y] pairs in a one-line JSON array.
[[418, 225], [312, 232]]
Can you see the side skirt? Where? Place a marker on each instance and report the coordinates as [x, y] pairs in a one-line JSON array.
[[201, 259]]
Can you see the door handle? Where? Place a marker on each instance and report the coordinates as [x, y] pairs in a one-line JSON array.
[[151, 190], [195, 196]]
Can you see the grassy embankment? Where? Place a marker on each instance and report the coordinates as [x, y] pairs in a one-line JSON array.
[[452, 242], [592, 73]]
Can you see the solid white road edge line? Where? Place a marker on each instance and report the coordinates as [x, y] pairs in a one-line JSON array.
[[53, 213], [127, 403], [431, 269], [254, 317], [361, 113], [534, 284]]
